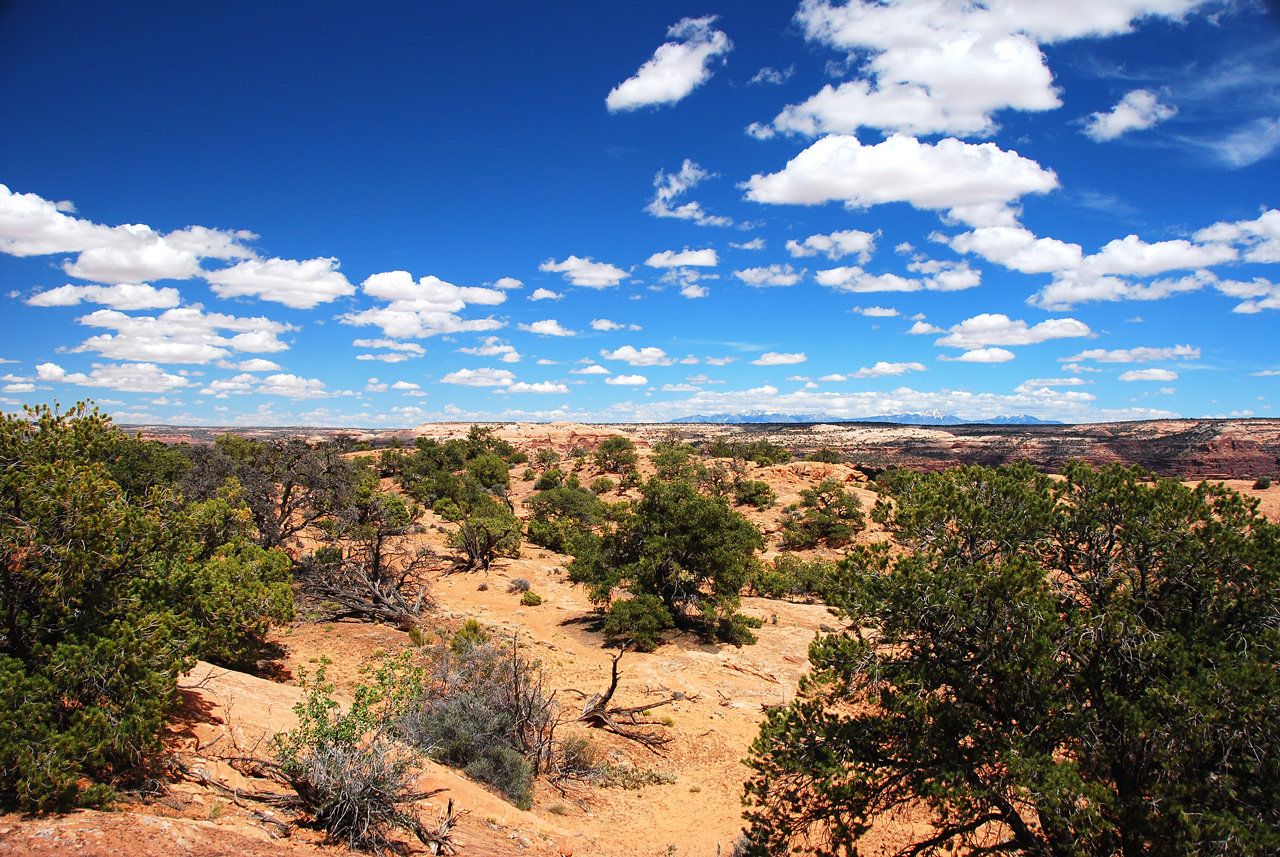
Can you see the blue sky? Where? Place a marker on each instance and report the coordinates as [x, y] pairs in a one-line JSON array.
[[382, 215]]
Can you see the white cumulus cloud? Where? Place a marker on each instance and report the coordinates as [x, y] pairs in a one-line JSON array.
[[123, 296], [586, 272], [1149, 375], [538, 387], [301, 285], [772, 275], [123, 377], [775, 358], [548, 327], [946, 67], [1137, 111], [485, 377], [675, 69], [1141, 354], [648, 356], [998, 329], [668, 188], [607, 325], [695, 258], [983, 355], [627, 380], [180, 335], [493, 347], [884, 369], [837, 245], [976, 183]]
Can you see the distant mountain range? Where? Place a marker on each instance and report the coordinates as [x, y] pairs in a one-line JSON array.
[[928, 418]]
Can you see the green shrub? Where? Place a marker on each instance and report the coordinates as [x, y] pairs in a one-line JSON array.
[[791, 576], [825, 454], [1097, 652], [577, 755], [508, 772], [736, 629], [1263, 483], [690, 552], [616, 454], [601, 485], [104, 600], [761, 452], [560, 515], [754, 493], [531, 599], [826, 513], [550, 478], [640, 619]]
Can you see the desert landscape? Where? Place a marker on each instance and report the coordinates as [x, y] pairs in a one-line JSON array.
[[684, 795]]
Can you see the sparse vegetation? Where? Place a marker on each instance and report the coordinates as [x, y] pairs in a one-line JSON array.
[[760, 452], [1263, 483], [754, 492]]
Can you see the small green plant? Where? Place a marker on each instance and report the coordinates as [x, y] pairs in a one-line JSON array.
[[531, 599], [694, 789], [417, 637], [558, 809], [602, 485], [216, 810], [350, 774]]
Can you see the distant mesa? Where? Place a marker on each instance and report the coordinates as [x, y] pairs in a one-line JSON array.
[[927, 418]]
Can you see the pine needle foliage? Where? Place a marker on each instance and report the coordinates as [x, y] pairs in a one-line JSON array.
[[1079, 667]]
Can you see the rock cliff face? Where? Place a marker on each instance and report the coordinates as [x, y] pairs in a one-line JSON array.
[[1187, 449]]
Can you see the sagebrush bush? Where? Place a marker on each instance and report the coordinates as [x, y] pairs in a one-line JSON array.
[[518, 584], [484, 708]]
